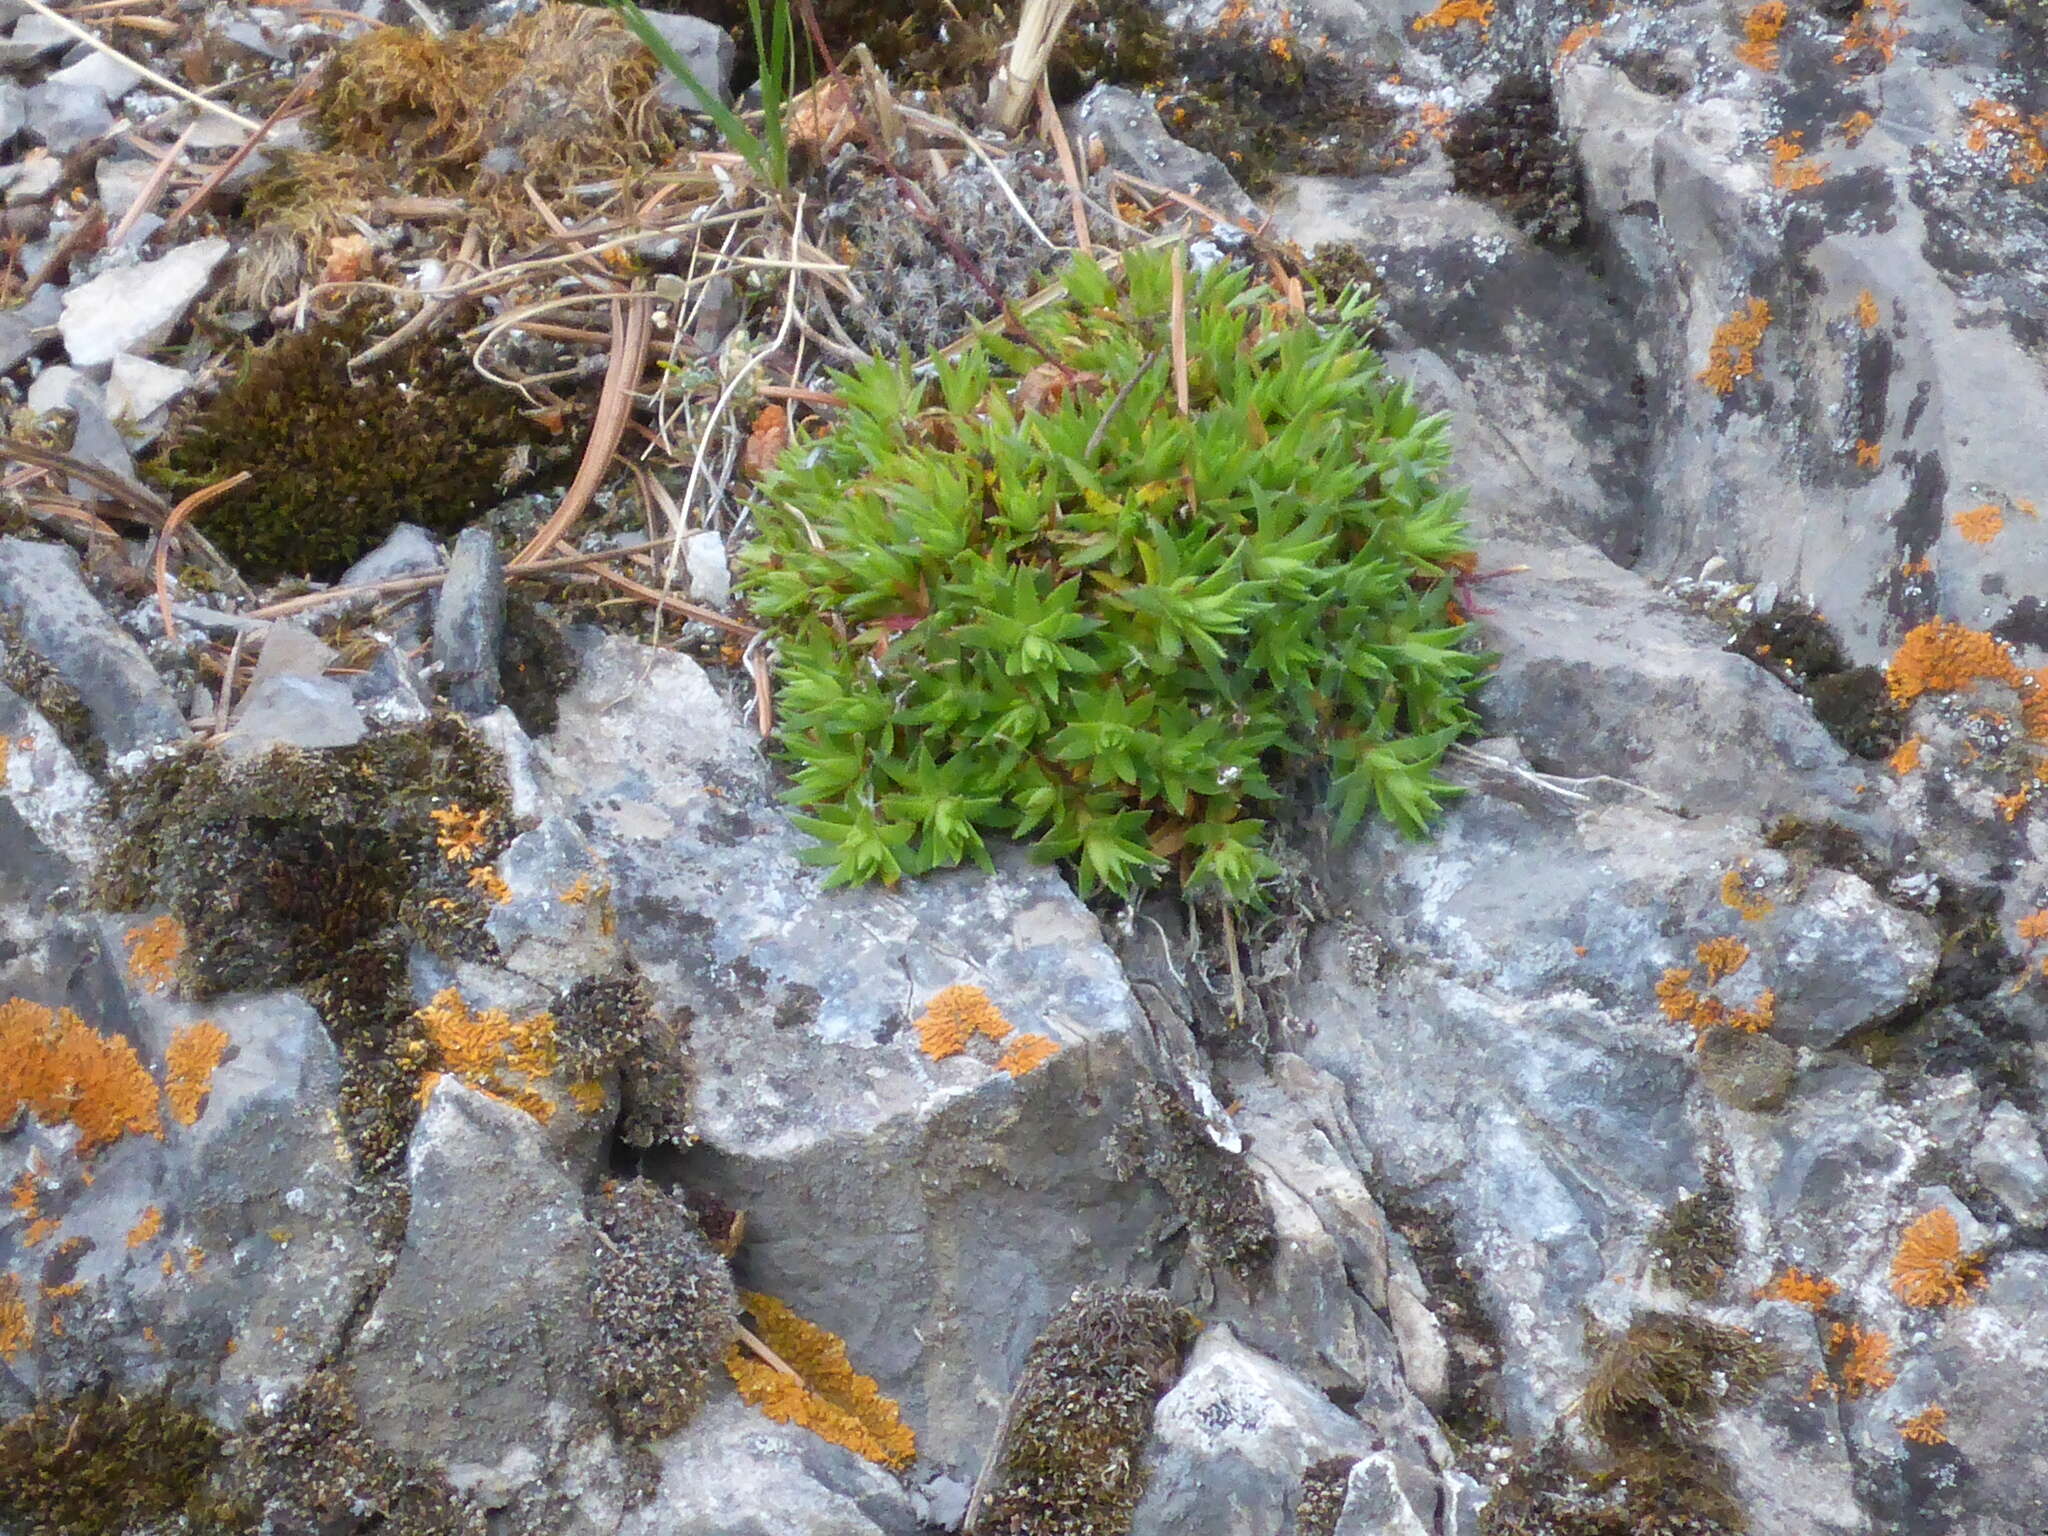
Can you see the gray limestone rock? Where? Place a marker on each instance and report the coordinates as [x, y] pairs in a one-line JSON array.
[[707, 51], [134, 308], [288, 711], [1128, 128], [2009, 1162], [130, 708], [469, 624], [66, 117]]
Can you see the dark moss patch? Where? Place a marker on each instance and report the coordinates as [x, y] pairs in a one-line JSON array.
[[536, 664], [1471, 1412], [102, 1464], [1321, 1504], [610, 1024], [318, 870], [1212, 1190], [336, 462], [664, 1305], [1853, 704], [1511, 151], [1070, 1459], [1697, 1242], [24, 671], [1654, 1390], [309, 1466]]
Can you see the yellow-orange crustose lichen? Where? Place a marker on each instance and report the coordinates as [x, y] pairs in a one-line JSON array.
[[1722, 957], [153, 951], [1854, 126], [1797, 1286], [1761, 25], [1864, 1359], [955, 1015], [1747, 904], [58, 1068], [1930, 1268], [1981, 524], [1907, 758], [462, 835], [488, 883], [1866, 307], [826, 1395], [14, 1326], [1944, 657], [1451, 13], [2032, 928], [2026, 154], [1875, 29], [1869, 455], [1027, 1053], [491, 1051], [1926, 1427], [146, 1229], [1791, 171], [1574, 40], [189, 1063], [1732, 355]]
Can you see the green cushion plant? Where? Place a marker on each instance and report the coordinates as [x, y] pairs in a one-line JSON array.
[[1032, 597]]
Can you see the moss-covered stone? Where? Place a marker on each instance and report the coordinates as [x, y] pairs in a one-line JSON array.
[[337, 461], [1697, 1242], [665, 1309], [1510, 150], [103, 1464], [611, 1024], [27, 673], [1321, 1504], [1214, 1192], [1070, 1461], [1852, 703]]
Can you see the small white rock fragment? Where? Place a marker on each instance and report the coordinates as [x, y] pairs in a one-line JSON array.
[[132, 309]]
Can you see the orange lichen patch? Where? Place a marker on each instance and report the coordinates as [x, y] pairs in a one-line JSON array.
[[956, 1015], [1797, 1286], [1930, 1268], [588, 1097], [1761, 25], [1791, 171], [2010, 806], [1924, 566], [1436, 119], [1875, 30], [189, 1063], [1907, 758], [1027, 1053], [147, 1228], [1854, 126], [1574, 40], [153, 951], [1722, 958], [194, 1257], [40, 1231], [462, 835], [2026, 155], [61, 1070], [825, 1395], [491, 1051], [15, 1332], [1926, 1426], [488, 883], [2026, 508], [1732, 355], [1866, 307], [169, 1265], [1944, 657], [1865, 1359], [577, 894], [1452, 13], [22, 1195], [1869, 455], [1736, 895], [1981, 524], [2032, 928]]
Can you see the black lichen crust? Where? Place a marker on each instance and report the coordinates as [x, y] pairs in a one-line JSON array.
[[337, 461], [1070, 1461], [664, 1305], [1510, 150]]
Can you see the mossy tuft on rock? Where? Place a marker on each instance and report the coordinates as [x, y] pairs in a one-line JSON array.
[[1213, 1191], [665, 1309], [1070, 1458], [337, 461], [1697, 1243], [105, 1464], [611, 1024]]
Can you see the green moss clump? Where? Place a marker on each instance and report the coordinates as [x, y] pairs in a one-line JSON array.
[[1054, 606], [101, 1464], [24, 671], [318, 870], [335, 461], [611, 1023], [1697, 1243], [308, 1465], [1853, 704], [1215, 1193], [1070, 1458], [665, 1308]]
